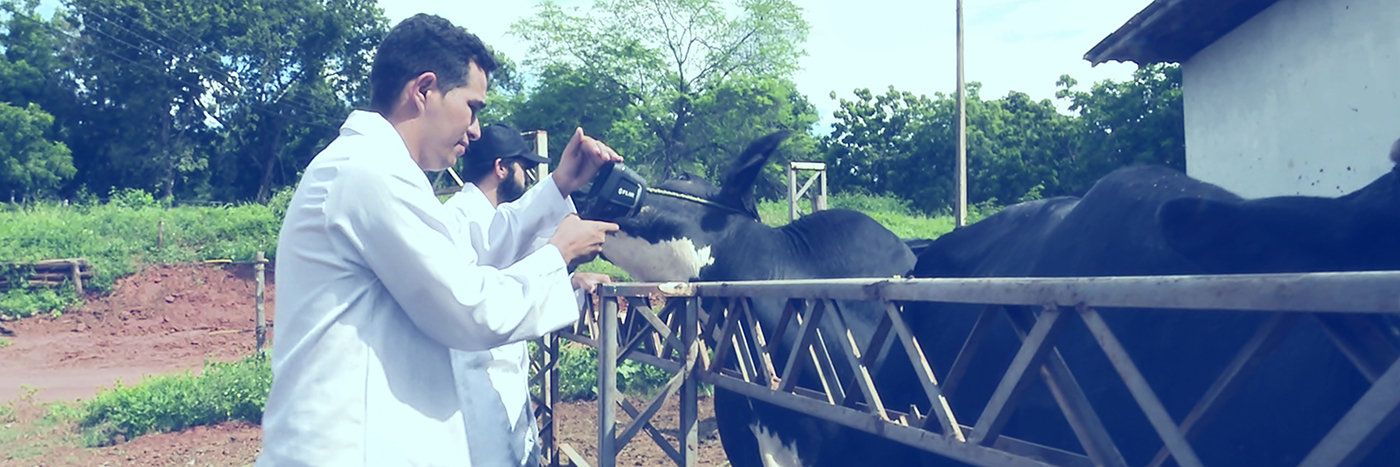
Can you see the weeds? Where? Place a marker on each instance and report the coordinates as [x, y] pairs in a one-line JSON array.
[[223, 392]]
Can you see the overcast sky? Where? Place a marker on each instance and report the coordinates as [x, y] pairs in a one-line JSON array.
[[1022, 45]]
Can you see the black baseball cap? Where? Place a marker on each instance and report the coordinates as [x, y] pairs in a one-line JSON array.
[[502, 141]]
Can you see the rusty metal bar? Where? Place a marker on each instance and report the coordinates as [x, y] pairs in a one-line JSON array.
[[790, 314], [607, 384], [690, 406], [1361, 342], [937, 401], [727, 341], [754, 330], [1015, 381], [651, 430], [1351, 292], [1074, 404], [644, 417], [1264, 341], [969, 349], [918, 438], [806, 335], [831, 380], [1361, 429], [1141, 391]]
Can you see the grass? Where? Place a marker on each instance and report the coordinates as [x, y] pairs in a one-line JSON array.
[[121, 236], [222, 392], [893, 213], [30, 430], [4, 342]]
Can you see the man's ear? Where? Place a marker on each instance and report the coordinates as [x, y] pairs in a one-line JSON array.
[[502, 169], [415, 92]]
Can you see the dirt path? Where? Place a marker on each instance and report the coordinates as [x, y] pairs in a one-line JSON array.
[[162, 320], [170, 319]]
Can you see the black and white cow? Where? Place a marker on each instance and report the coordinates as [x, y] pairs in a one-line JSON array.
[[1157, 221], [721, 239]]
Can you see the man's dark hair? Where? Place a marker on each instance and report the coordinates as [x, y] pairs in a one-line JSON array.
[[476, 168], [420, 44]]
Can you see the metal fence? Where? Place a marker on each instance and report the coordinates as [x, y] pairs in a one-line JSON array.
[[679, 336]]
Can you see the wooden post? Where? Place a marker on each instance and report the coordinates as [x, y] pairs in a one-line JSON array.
[[160, 235], [260, 319], [75, 267], [792, 193], [542, 148]]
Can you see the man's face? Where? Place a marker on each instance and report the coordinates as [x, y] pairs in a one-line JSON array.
[[452, 121], [513, 187]]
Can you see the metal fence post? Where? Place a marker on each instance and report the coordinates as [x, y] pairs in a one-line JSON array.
[[607, 384], [690, 410]]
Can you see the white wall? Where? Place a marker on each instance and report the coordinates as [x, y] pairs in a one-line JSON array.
[[1302, 99]]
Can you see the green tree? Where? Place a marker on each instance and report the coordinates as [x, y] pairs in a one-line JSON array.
[[30, 163], [648, 75], [1120, 123]]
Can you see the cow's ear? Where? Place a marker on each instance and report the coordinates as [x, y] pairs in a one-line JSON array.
[[738, 186], [1213, 234]]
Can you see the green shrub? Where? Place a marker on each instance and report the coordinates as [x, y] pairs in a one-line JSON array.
[[223, 392]]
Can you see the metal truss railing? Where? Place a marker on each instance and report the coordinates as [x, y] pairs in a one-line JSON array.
[[681, 337]]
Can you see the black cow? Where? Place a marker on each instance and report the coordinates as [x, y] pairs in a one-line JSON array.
[[1157, 221], [721, 239]]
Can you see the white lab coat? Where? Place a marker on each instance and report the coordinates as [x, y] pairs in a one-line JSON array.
[[494, 385], [373, 289]]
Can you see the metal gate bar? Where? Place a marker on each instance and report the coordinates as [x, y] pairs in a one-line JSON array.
[[741, 341]]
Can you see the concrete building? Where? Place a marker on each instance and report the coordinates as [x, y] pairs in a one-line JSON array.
[[1282, 97]]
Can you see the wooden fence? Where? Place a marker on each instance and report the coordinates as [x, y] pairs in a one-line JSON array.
[[49, 273]]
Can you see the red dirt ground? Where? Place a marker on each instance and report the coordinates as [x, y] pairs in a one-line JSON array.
[[169, 319]]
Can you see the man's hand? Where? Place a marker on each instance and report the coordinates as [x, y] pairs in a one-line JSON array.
[[579, 241], [580, 162], [589, 281]]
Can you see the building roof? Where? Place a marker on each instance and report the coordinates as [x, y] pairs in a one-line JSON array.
[[1174, 30]]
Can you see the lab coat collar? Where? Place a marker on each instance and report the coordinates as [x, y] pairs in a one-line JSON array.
[[476, 199]]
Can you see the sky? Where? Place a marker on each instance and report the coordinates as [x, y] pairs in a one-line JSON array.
[[1021, 45]]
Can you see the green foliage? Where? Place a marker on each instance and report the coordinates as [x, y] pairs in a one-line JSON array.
[[1127, 122], [3, 343], [673, 85], [187, 98], [601, 266], [30, 162], [121, 235], [904, 145], [223, 392]]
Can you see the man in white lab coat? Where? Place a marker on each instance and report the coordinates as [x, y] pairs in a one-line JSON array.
[[374, 287], [494, 385]]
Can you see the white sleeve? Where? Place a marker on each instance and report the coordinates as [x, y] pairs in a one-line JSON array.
[[519, 225], [395, 226]]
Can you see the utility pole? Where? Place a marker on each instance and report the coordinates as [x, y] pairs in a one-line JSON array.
[[960, 210]]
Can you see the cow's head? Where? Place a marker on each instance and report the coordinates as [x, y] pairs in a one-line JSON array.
[[673, 233], [1356, 232]]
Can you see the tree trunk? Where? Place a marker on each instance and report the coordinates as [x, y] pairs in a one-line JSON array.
[[273, 151]]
